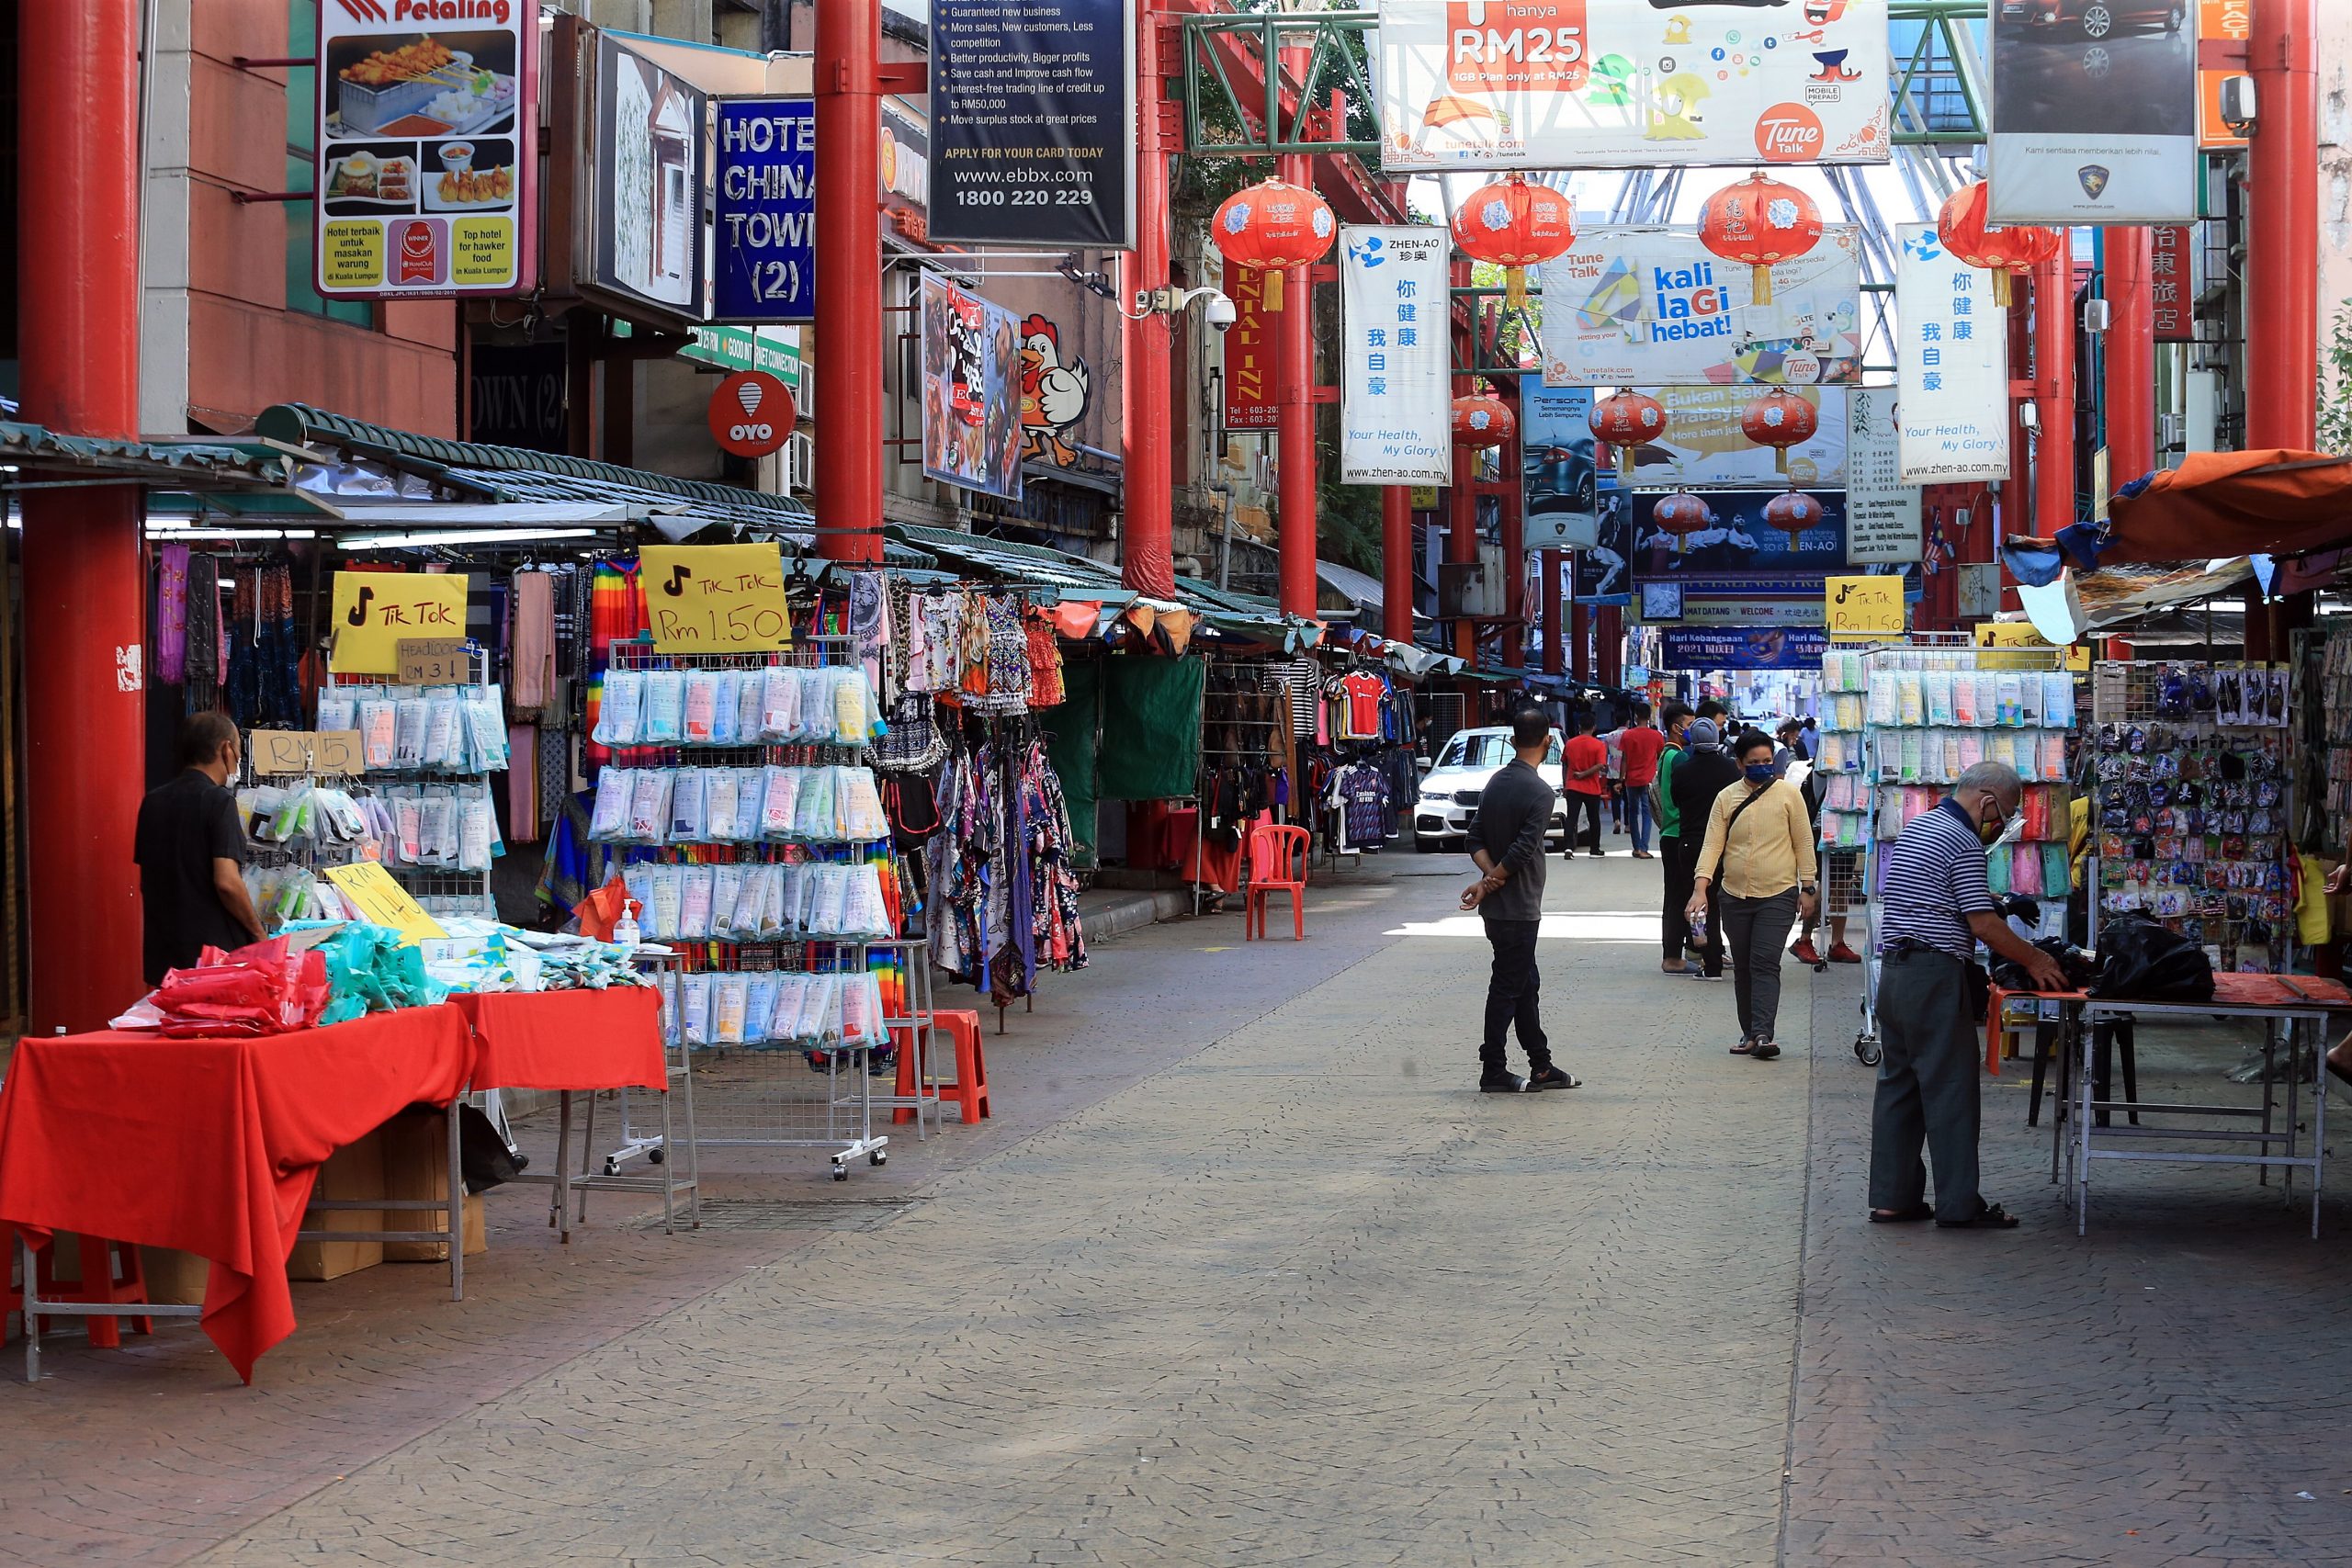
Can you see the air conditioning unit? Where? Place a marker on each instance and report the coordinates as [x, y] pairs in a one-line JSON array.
[[799, 463], [2168, 430]]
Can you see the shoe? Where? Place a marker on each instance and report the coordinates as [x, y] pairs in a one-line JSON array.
[[1988, 1217], [1841, 954], [1764, 1050], [1553, 1077], [1702, 975], [1503, 1083], [1597, 853], [1805, 951]]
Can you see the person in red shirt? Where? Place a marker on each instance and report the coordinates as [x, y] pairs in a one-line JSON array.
[[1639, 747], [1584, 764]]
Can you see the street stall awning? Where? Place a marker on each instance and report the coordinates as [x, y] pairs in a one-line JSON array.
[[197, 462], [2275, 502]]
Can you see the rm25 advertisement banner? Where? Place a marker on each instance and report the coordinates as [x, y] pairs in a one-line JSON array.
[[1703, 446], [1583, 83], [1032, 122], [1635, 305]]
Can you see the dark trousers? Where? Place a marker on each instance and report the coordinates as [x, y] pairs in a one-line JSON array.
[[1674, 925], [1929, 1093], [1755, 930], [1587, 807], [1513, 991]]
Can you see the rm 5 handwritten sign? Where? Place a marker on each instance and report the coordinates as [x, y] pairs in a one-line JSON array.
[[715, 598]]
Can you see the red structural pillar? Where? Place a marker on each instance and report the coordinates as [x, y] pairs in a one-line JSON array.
[[2131, 357], [2283, 227], [1609, 631], [2054, 390], [78, 335], [1514, 539], [1146, 560], [1461, 538], [849, 280], [1396, 563], [1294, 401], [1551, 600], [1581, 641]]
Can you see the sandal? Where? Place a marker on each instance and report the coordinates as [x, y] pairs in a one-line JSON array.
[[1745, 1046], [1916, 1212], [1764, 1051], [1989, 1216]]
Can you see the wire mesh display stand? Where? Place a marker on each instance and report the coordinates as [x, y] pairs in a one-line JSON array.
[[765, 1094], [438, 890]]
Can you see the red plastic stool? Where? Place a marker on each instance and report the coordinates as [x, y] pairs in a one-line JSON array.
[[120, 1279], [969, 1089]]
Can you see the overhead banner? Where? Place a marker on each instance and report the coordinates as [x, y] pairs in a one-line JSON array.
[[1775, 647], [1556, 477], [764, 211], [2092, 128], [1592, 83], [2221, 21], [971, 391], [1951, 366], [1739, 540], [645, 216], [1704, 446], [1032, 122], [1649, 304], [1604, 573], [1395, 391], [2172, 281], [427, 178], [1882, 512], [1250, 347]]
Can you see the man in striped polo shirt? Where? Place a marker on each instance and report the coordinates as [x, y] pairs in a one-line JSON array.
[[1935, 905]]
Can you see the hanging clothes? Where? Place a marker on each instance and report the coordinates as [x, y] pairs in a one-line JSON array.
[[171, 616], [202, 664], [1004, 885], [533, 678]]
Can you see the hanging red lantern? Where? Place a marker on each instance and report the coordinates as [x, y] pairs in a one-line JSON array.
[[1793, 511], [1626, 420], [1779, 419], [1482, 420], [2005, 251], [1682, 512], [1757, 223], [1515, 226], [1272, 225]]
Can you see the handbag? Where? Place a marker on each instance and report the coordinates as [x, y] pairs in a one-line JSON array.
[[914, 742]]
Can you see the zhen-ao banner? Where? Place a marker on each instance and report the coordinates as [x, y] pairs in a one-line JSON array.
[[1951, 366], [1395, 395]]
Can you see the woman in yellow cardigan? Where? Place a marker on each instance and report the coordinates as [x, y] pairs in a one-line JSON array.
[[1759, 845]]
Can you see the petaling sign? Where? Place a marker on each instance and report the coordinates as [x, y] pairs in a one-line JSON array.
[[495, 11]]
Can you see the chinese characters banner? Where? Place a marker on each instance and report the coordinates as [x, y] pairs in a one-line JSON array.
[[1951, 366], [1250, 347], [2172, 285], [1395, 401]]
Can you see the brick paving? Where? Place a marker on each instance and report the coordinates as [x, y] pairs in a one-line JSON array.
[[1243, 1272]]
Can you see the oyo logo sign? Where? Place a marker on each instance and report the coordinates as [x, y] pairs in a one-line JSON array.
[[1788, 133], [751, 414]]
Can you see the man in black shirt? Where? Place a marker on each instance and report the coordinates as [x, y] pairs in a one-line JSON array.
[[1506, 840], [191, 850]]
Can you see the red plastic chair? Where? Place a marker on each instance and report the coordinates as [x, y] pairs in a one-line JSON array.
[[1278, 856]]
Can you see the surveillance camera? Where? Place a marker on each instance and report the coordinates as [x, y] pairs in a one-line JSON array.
[[1219, 312]]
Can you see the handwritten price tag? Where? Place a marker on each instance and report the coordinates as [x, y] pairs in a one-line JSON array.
[[715, 598], [433, 662], [1863, 608], [281, 751], [376, 611], [382, 901]]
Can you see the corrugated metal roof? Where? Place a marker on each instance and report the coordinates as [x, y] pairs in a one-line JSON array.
[[181, 462]]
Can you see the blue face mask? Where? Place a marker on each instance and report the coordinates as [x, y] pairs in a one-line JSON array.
[[1758, 772]]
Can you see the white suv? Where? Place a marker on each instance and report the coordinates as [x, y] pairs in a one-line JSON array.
[[1450, 791]]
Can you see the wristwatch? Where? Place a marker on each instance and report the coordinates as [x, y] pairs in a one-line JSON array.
[[1808, 888]]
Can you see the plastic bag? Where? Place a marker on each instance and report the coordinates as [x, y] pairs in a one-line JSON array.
[[620, 711], [608, 819], [702, 705], [664, 719], [2141, 960]]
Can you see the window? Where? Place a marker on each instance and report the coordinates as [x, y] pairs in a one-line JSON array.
[[302, 39]]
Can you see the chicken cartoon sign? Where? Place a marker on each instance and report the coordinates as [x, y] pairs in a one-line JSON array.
[[1054, 396]]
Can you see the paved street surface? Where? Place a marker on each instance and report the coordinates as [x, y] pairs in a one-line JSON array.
[[1244, 1272]]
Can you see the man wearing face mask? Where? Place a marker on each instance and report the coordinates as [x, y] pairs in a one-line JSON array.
[[1935, 905]]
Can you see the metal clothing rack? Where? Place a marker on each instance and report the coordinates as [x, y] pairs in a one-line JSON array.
[[440, 890]]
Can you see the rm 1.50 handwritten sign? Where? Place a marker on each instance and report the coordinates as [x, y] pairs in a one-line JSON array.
[[375, 612], [765, 216], [715, 598]]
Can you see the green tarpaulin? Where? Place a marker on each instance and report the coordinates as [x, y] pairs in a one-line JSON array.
[[1151, 726], [1073, 735]]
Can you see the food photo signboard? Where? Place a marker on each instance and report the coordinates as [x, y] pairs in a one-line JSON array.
[[426, 165], [1615, 84]]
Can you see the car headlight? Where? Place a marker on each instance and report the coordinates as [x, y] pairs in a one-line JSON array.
[[1436, 797]]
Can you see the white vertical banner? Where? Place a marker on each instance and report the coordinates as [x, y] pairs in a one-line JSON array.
[[1396, 393], [1952, 364], [1882, 512]]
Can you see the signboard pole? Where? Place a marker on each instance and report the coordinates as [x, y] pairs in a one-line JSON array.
[[2131, 355], [1396, 563], [849, 238], [1294, 430], [1514, 519], [1147, 562], [2282, 286], [1553, 560]]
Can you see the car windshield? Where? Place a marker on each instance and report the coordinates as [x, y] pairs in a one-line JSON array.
[[1486, 752]]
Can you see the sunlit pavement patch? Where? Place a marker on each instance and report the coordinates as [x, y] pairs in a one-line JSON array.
[[1603, 926]]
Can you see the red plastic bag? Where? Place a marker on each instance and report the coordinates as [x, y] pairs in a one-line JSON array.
[[600, 911], [263, 988]]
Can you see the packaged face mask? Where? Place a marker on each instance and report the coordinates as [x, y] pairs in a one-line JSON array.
[[693, 1009], [2029, 701], [774, 896], [726, 891], [720, 794], [791, 1002], [337, 712], [649, 812], [1935, 687], [731, 999], [379, 726], [664, 720], [1910, 698], [440, 733], [724, 702], [686, 805], [437, 830], [485, 735], [860, 807], [702, 703], [814, 816], [743, 908], [608, 819], [407, 734], [778, 803], [1883, 707], [2010, 698], [779, 702], [2058, 699], [759, 1006], [694, 902], [668, 899], [751, 687], [619, 710], [476, 832]]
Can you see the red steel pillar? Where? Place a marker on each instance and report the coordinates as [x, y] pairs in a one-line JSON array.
[[78, 331], [1581, 641], [849, 278], [2131, 357], [1461, 538], [1294, 398], [1396, 563], [1514, 539], [1146, 558], [2053, 389], [2283, 227], [1552, 642]]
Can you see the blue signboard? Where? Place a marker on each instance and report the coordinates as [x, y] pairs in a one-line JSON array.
[[765, 219], [1780, 648], [1739, 540]]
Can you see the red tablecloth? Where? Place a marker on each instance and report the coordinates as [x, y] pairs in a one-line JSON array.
[[558, 1040], [210, 1146]]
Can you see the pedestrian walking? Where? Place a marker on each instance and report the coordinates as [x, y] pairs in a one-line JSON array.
[[1702, 773], [1639, 747], [1935, 905], [1759, 847], [1787, 751], [1674, 925], [1506, 839], [1584, 762], [1615, 778]]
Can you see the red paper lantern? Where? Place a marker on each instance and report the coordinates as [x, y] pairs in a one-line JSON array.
[[1515, 225], [1682, 512], [1272, 225], [1757, 223], [1793, 512], [1482, 420], [1625, 420], [1778, 419], [2005, 251]]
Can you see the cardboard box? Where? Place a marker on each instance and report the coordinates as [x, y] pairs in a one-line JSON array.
[[174, 1278], [416, 1165], [356, 1170]]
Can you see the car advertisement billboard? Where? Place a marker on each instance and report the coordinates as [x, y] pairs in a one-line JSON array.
[[2095, 112]]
